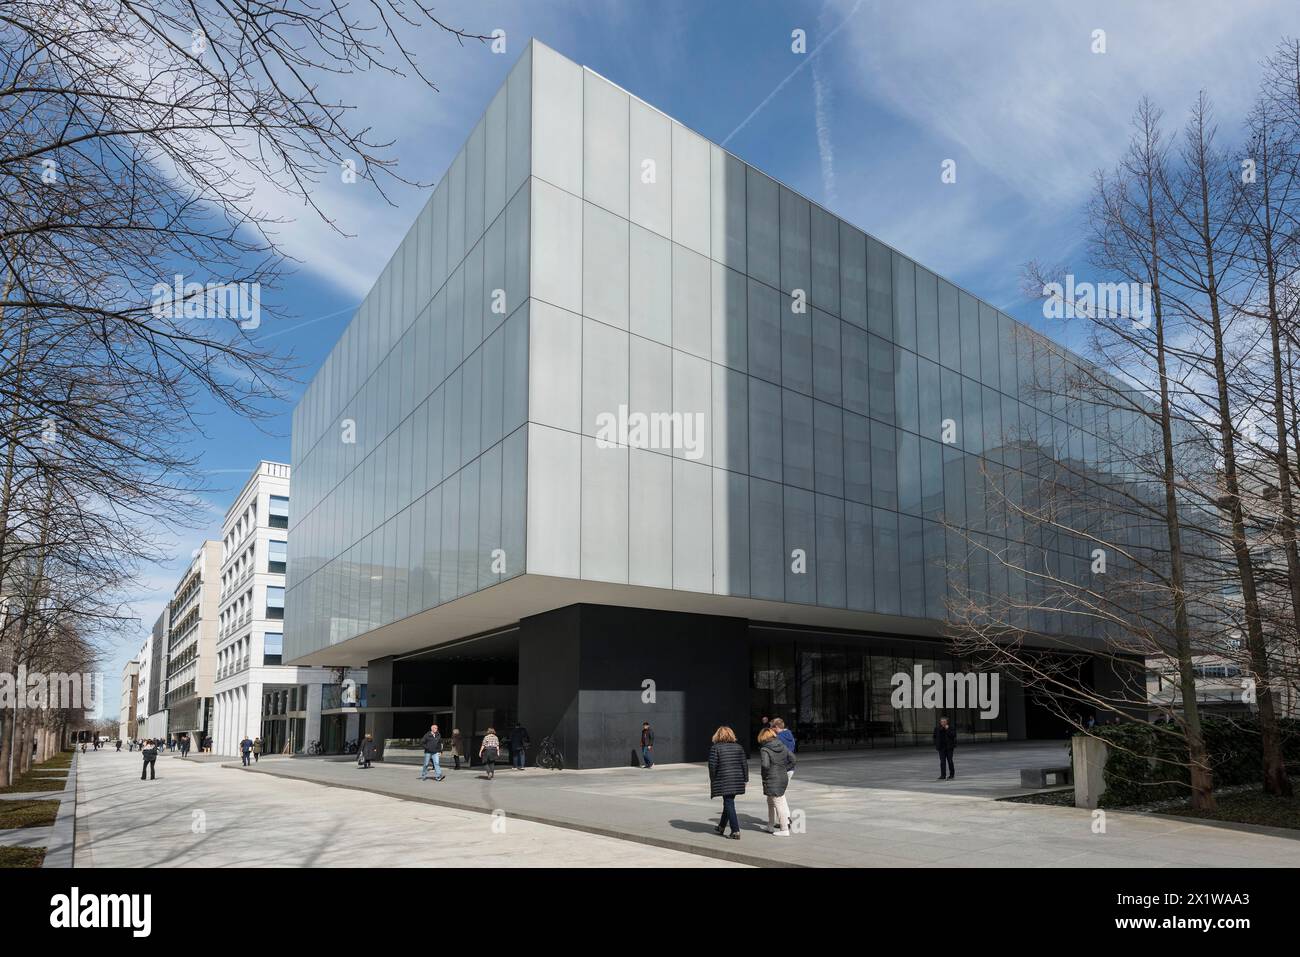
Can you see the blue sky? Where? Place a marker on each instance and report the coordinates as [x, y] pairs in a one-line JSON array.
[[1012, 92]]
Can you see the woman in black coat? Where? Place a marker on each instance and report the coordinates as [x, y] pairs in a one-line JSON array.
[[366, 751], [728, 774]]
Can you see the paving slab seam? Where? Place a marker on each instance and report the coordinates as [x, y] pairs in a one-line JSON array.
[[733, 857], [61, 851]]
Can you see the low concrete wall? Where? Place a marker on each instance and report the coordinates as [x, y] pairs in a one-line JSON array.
[[403, 755], [1089, 762]]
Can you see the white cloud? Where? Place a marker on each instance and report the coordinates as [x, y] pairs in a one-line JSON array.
[[1024, 97]]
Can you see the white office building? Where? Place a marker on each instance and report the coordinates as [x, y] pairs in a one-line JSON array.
[[191, 643], [290, 709], [127, 721], [151, 701]]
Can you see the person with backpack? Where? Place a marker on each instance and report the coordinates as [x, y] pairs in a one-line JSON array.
[[432, 744], [728, 775], [489, 751], [775, 761]]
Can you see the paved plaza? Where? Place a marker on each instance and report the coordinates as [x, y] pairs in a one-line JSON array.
[[875, 809], [872, 809], [200, 814]]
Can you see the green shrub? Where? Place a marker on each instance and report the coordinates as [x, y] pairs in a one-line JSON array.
[[1148, 762]]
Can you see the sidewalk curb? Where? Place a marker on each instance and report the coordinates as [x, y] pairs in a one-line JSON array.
[[733, 857]]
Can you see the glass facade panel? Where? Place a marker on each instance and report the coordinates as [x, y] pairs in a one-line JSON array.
[[584, 254]]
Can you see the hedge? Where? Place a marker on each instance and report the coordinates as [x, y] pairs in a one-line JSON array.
[[1148, 762]]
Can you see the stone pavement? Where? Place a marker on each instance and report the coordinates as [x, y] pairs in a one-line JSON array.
[[200, 814], [56, 839], [872, 809]]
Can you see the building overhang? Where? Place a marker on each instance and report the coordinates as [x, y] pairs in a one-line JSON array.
[[504, 604]]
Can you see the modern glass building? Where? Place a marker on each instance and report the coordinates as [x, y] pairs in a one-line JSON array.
[[628, 430]]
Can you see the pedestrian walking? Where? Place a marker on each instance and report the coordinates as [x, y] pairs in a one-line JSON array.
[[787, 738], [518, 745], [728, 775], [150, 760], [432, 743], [775, 763], [119, 744], [945, 742], [366, 753], [457, 746], [257, 749], [489, 751], [246, 750], [647, 745]]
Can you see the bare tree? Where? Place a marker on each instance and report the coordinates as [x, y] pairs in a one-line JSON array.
[[134, 137]]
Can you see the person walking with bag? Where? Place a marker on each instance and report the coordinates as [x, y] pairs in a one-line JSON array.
[[457, 747], [775, 761], [366, 753], [489, 751], [728, 775]]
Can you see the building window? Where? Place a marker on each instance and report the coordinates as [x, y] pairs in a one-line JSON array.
[[275, 602], [278, 512], [272, 647], [277, 556]]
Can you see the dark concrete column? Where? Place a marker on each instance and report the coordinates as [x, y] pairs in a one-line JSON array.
[[591, 674], [548, 678], [379, 694]]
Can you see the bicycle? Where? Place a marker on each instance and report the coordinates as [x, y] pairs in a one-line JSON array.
[[549, 756], [315, 748], [353, 746]]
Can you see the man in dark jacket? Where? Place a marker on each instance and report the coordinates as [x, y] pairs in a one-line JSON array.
[[246, 749], [647, 745], [150, 760], [432, 744], [945, 742], [518, 746]]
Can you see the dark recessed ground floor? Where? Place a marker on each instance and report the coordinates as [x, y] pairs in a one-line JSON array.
[[588, 676]]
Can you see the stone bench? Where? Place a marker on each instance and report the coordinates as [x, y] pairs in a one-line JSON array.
[[1037, 777]]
